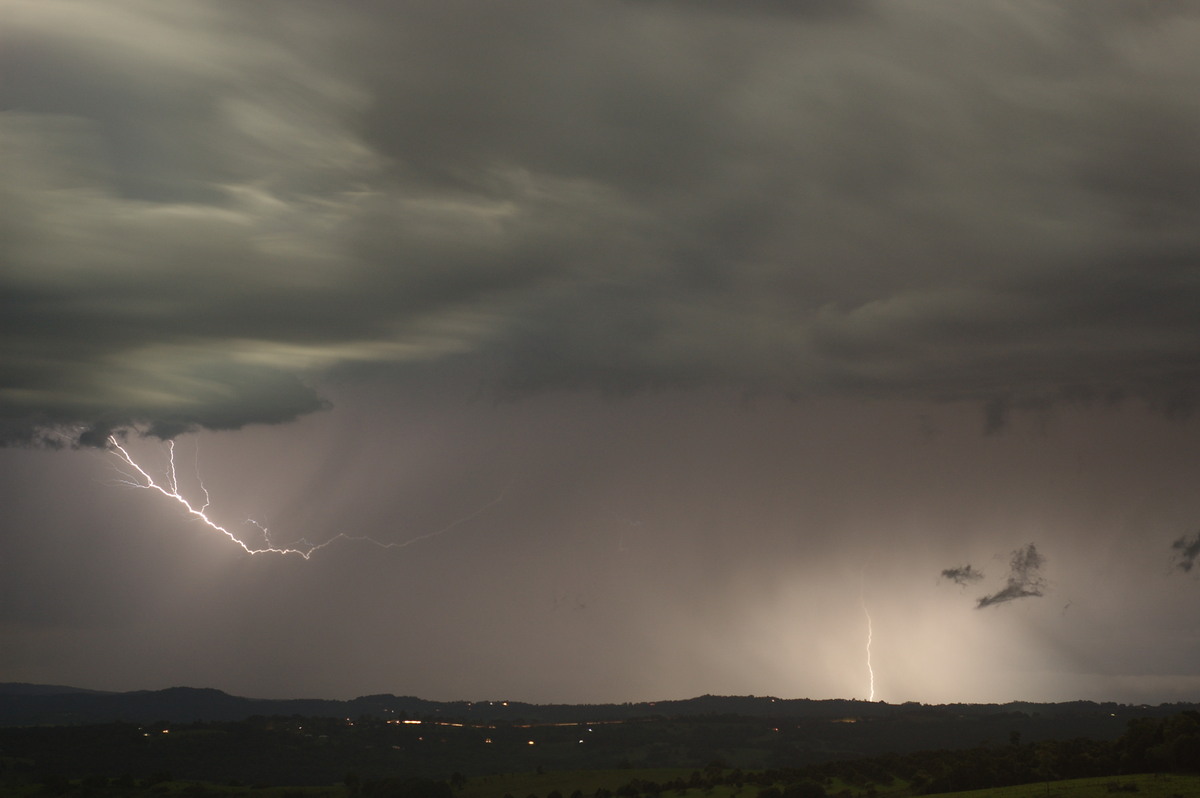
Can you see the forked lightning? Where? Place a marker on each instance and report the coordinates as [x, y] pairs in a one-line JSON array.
[[139, 478]]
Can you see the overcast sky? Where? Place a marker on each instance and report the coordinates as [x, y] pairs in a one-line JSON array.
[[618, 350]]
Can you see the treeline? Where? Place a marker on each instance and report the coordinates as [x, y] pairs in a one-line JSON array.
[[378, 759], [305, 750], [1149, 745]]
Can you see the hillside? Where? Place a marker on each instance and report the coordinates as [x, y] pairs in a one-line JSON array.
[[205, 733]]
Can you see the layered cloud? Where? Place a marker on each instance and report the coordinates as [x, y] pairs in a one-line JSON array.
[[208, 207]]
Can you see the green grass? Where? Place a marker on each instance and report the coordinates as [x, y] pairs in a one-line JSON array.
[[1147, 786], [178, 789], [520, 785], [897, 787]]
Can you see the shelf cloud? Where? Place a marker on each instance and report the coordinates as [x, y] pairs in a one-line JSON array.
[[208, 208]]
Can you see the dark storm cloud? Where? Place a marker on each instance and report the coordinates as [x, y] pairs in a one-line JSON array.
[[962, 575], [806, 9], [1024, 578], [208, 207], [1186, 552]]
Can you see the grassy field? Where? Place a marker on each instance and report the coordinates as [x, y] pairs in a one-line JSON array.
[[1143, 786], [520, 785], [524, 785], [587, 782]]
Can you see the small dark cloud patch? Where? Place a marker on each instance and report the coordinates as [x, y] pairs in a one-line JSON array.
[[963, 575], [1186, 551], [1024, 578]]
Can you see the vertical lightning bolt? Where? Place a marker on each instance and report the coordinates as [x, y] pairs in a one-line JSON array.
[[862, 600], [870, 670], [137, 477]]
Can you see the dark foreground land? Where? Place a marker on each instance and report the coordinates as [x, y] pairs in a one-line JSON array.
[[55, 741]]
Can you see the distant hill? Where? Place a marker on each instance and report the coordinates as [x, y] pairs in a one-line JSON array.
[[22, 688], [40, 705], [209, 735]]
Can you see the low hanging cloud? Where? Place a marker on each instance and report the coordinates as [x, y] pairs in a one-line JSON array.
[[963, 575], [1024, 579], [206, 212], [1186, 551]]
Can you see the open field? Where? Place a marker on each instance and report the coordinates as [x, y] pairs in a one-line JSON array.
[[1143, 785], [589, 782], [520, 785]]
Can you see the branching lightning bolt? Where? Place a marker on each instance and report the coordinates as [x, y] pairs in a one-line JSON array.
[[138, 477]]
